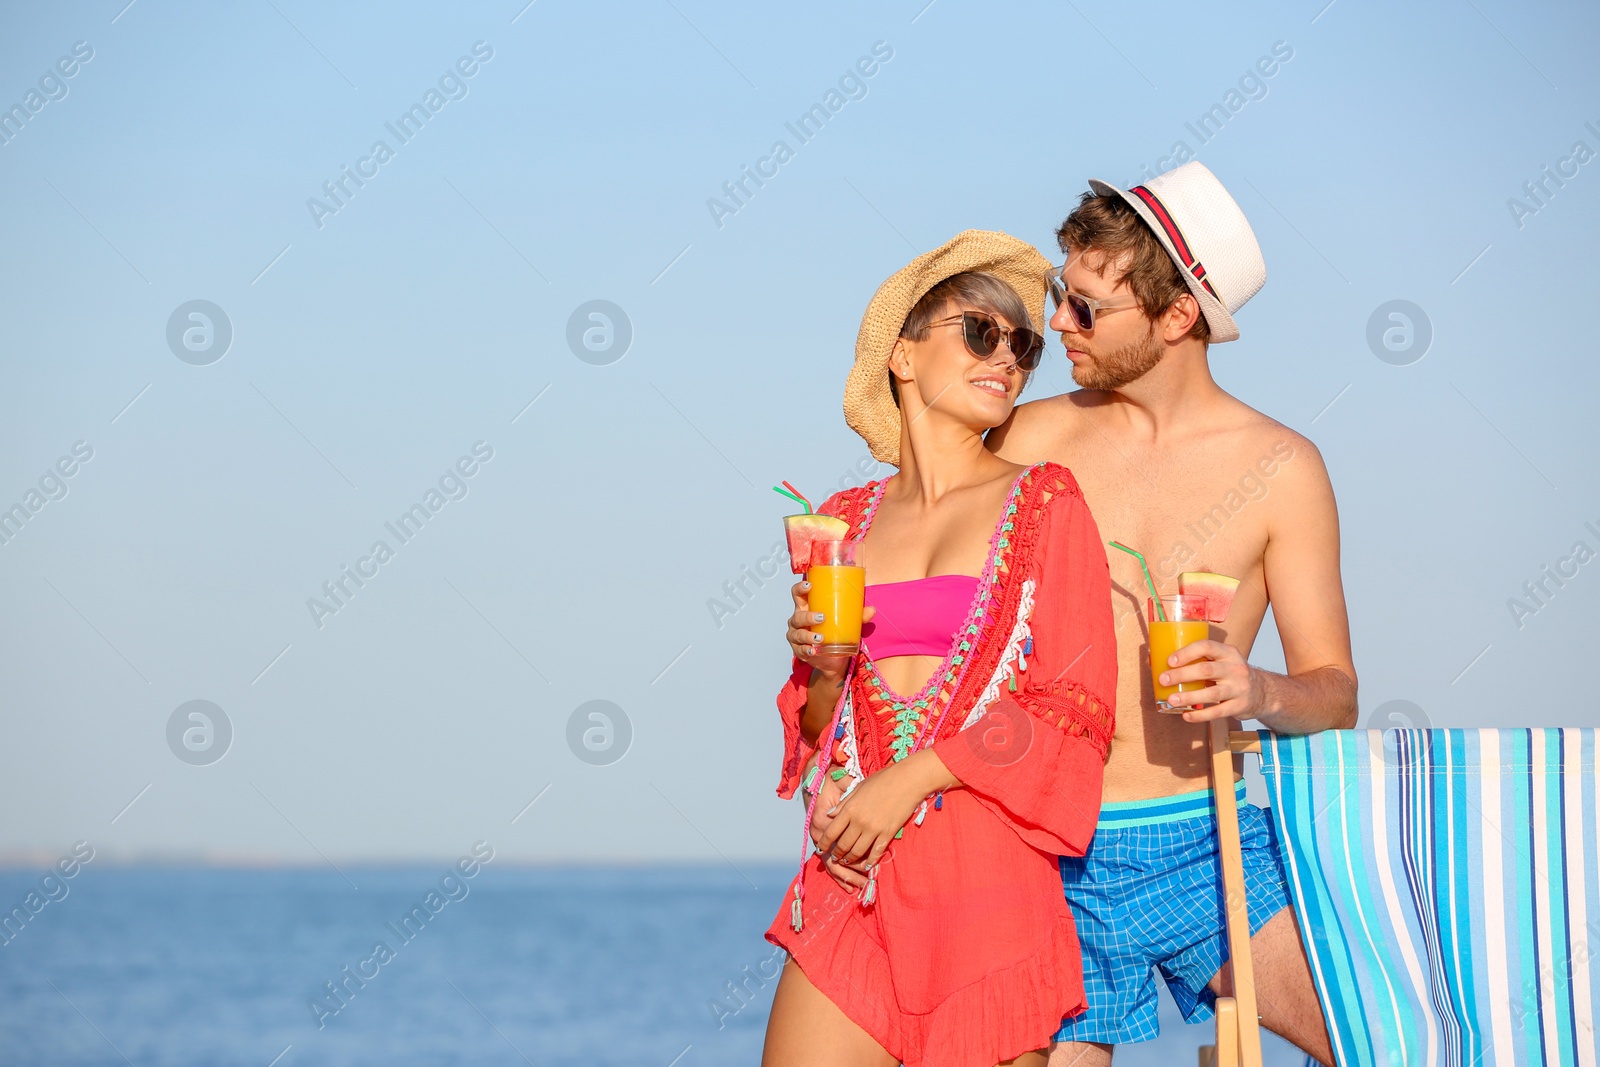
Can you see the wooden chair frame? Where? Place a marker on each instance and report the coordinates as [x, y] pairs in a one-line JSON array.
[[1238, 1025]]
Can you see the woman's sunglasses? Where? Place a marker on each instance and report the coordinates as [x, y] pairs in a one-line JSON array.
[[1082, 308], [983, 335]]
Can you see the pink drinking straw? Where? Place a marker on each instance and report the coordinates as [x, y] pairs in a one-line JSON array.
[[798, 495]]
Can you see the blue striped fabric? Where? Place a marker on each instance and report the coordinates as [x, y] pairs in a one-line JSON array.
[[1447, 884]]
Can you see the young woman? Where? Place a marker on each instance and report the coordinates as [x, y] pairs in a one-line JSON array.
[[952, 760]]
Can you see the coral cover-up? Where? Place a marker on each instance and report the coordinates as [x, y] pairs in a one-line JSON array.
[[968, 955]]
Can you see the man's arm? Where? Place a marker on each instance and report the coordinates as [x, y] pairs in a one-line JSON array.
[[1307, 594], [1016, 439], [1301, 567]]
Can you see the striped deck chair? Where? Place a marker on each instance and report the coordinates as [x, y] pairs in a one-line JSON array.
[[1447, 885]]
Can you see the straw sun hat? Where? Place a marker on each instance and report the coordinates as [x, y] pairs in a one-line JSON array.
[[868, 406]]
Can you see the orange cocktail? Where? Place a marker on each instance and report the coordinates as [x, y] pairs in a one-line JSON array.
[[1185, 624], [838, 590]]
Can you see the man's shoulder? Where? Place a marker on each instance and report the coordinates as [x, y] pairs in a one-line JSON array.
[[1278, 457], [1047, 407], [1258, 432], [1041, 427]]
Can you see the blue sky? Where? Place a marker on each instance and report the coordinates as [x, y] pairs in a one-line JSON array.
[[373, 347]]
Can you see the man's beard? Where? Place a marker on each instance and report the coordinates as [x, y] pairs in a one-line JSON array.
[[1126, 364]]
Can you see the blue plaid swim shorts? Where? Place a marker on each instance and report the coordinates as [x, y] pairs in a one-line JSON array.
[[1148, 895]]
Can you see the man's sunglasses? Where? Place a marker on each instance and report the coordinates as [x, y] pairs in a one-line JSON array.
[[1082, 308], [983, 335]]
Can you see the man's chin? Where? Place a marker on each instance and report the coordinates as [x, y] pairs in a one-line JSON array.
[[1107, 379], [1089, 378]]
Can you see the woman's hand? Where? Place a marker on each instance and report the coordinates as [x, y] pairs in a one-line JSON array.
[[851, 878], [828, 799], [865, 822], [803, 640]]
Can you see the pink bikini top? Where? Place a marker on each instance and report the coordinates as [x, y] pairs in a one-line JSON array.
[[919, 617]]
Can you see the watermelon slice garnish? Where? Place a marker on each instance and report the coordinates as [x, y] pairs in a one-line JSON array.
[[1218, 589], [804, 531]]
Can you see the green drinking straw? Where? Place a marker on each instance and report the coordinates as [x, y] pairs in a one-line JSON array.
[[1154, 596], [792, 496]]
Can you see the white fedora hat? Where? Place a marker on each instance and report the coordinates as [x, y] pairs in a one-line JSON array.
[[1206, 235]]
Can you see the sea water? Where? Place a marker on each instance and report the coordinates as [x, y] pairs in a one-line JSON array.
[[205, 967]]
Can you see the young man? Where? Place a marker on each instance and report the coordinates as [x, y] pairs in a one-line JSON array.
[[1172, 465]]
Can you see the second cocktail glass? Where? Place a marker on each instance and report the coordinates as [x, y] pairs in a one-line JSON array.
[[838, 590], [1185, 623]]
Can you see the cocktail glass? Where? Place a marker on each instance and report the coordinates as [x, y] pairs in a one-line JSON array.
[[1184, 623], [838, 591]]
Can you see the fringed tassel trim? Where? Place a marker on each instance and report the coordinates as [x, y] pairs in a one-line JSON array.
[[1021, 635]]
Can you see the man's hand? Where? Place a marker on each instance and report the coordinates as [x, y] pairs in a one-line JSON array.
[[1237, 690]]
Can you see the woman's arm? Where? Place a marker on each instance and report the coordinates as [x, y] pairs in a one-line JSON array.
[[822, 697], [826, 681], [803, 709]]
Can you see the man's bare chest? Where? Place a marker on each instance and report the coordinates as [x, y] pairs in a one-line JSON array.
[[1189, 510]]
